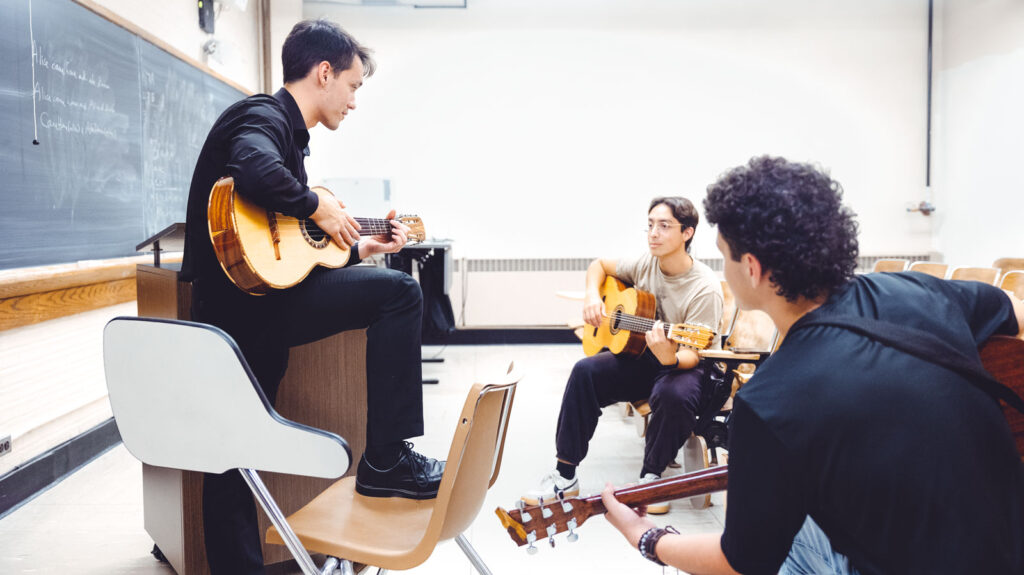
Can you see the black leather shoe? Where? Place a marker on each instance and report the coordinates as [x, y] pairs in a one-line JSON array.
[[414, 476]]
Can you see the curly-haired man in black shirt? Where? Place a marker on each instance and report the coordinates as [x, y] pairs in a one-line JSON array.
[[847, 455]]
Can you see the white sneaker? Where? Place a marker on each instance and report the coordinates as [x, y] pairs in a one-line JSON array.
[[654, 508], [551, 485]]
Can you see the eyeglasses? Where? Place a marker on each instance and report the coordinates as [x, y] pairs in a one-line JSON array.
[[662, 227]]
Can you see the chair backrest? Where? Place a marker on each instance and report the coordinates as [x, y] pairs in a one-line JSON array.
[[986, 275], [1013, 281], [473, 460], [890, 266], [1008, 264], [728, 308], [931, 268], [183, 397], [752, 330]]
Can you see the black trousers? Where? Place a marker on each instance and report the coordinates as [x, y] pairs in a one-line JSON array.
[[604, 379], [386, 302]]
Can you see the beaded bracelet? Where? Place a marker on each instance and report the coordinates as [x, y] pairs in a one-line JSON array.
[[649, 540]]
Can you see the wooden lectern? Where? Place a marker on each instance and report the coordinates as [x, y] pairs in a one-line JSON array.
[[325, 387]]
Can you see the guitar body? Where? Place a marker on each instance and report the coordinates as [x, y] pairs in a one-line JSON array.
[[261, 250], [1003, 357], [618, 299], [243, 240]]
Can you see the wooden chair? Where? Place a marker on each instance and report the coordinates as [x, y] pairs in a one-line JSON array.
[[931, 268], [984, 275], [183, 397], [1013, 282], [890, 266], [1008, 264], [395, 533]]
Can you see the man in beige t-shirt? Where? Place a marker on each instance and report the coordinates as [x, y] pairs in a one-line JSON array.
[[667, 375]]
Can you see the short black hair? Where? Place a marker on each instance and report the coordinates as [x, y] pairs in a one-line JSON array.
[[313, 41], [791, 218], [682, 210]]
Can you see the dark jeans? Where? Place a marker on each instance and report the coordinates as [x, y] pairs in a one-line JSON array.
[[604, 379], [387, 302]]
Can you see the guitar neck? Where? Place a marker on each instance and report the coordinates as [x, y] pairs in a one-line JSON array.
[[688, 485], [528, 524], [638, 324], [373, 226]]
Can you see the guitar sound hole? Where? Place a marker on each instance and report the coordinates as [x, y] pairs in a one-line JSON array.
[[613, 325], [314, 235]]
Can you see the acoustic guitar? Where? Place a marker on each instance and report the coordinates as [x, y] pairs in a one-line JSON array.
[[261, 250], [1002, 356], [629, 316]]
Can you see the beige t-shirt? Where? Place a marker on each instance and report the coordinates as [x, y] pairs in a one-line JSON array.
[[694, 297]]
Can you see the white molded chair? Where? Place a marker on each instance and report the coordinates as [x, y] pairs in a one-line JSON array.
[[183, 397]]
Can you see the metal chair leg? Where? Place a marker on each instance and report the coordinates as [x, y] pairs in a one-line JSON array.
[[277, 517], [330, 566], [473, 556], [346, 567]]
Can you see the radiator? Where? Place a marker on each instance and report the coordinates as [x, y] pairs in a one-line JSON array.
[[526, 292]]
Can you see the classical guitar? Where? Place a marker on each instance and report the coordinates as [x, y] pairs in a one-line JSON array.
[[630, 315], [262, 250], [1002, 356]]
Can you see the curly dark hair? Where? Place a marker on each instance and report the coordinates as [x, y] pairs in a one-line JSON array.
[[791, 218]]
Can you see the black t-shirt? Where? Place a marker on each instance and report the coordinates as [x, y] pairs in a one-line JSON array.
[[906, 466]]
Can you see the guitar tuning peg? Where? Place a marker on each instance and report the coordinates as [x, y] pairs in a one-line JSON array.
[[572, 537], [532, 550], [520, 504], [551, 540]]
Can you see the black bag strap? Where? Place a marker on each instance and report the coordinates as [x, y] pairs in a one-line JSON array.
[[922, 345]]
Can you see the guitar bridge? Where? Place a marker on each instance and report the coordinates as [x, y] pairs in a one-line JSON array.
[[275, 234]]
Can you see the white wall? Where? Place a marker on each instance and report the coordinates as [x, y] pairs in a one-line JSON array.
[[176, 22], [979, 186], [283, 15], [539, 129]]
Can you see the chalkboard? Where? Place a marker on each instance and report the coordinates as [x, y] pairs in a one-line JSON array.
[[119, 124]]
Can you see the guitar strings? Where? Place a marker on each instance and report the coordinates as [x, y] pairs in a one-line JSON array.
[[637, 321], [634, 323]]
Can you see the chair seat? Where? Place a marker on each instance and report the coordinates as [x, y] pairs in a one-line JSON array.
[[341, 523]]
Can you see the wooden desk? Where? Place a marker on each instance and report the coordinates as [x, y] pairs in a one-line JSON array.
[[325, 387]]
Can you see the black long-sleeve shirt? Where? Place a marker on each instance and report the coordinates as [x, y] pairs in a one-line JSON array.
[[261, 142]]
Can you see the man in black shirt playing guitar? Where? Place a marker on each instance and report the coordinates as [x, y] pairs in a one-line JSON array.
[[261, 142]]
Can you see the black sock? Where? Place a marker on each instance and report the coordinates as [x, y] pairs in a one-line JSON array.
[[383, 456], [566, 470]]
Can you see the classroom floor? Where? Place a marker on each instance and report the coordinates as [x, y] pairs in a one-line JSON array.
[[92, 521]]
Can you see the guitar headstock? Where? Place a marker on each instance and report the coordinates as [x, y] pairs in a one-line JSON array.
[[417, 233], [691, 335], [527, 524]]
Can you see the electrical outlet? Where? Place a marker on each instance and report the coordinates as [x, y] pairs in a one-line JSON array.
[[5, 445]]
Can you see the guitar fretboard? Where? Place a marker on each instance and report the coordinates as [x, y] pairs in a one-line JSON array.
[[374, 226], [639, 324]]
